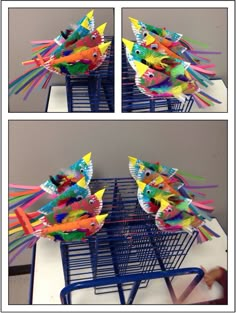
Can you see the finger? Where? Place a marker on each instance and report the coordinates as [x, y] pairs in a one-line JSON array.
[[204, 269]]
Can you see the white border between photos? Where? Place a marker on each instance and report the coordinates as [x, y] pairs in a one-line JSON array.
[[118, 5]]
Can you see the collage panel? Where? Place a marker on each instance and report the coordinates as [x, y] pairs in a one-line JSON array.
[[97, 182], [174, 60], [61, 60], [117, 209]]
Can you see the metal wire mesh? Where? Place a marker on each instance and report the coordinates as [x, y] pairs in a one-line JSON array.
[[128, 243]]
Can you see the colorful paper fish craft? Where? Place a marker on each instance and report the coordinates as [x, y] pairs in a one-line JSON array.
[[172, 43], [82, 28], [25, 196], [164, 194], [148, 172], [167, 66], [59, 219], [176, 212], [71, 53], [159, 75], [170, 180]]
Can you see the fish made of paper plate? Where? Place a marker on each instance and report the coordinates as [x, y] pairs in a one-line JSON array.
[[93, 39], [25, 196], [163, 32], [175, 218], [48, 47], [135, 164], [157, 43], [83, 30], [157, 84], [76, 192], [153, 42], [155, 179], [151, 198], [176, 68], [79, 229], [152, 37], [73, 64], [174, 77], [87, 207], [88, 60]]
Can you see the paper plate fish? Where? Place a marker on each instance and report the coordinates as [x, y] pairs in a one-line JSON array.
[[152, 37], [24, 196], [72, 64], [162, 181], [80, 29], [166, 63], [167, 36], [78, 50], [135, 164], [167, 66], [93, 39], [157, 84], [173, 218], [174, 77], [87, 207], [163, 32], [79, 229], [73, 215], [175, 212], [150, 199]]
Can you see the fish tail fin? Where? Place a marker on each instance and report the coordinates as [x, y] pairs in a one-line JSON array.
[[203, 100], [24, 197], [27, 82], [189, 41], [195, 59], [201, 78], [18, 245], [203, 206], [205, 234], [44, 47], [201, 70]]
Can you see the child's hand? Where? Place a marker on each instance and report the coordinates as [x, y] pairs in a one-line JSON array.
[[211, 276]]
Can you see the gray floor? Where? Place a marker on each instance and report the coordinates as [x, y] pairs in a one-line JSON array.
[[19, 289]]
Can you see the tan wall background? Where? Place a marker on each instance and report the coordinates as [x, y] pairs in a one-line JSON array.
[[208, 26], [40, 24], [38, 149]]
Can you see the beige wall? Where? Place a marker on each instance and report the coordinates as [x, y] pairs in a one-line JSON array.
[[40, 24], [208, 26]]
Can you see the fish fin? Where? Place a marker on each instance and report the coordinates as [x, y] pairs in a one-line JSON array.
[[205, 234]]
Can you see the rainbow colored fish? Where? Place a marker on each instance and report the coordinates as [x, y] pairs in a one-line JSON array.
[[25, 196], [58, 220], [164, 193], [78, 50], [167, 66]]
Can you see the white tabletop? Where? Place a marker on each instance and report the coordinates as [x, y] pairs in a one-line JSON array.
[[217, 91], [49, 279], [57, 101]]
